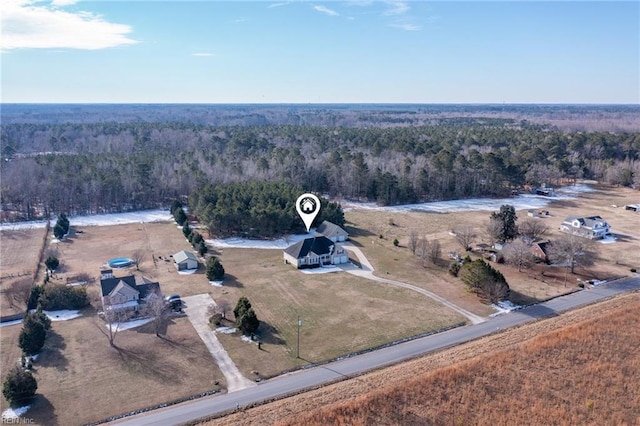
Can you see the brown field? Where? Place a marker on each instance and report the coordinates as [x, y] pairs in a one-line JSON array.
[[581, 367], [82, 379], [19, 257], [530, 285]]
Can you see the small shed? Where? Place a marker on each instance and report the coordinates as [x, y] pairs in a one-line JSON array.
[[185, 260]]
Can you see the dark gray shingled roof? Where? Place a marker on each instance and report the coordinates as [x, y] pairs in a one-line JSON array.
[[318, 245]]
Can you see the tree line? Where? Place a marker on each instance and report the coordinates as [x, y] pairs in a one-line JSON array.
[[109, 167]]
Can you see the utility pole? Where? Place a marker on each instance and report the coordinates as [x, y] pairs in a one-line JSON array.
[[298, 349]]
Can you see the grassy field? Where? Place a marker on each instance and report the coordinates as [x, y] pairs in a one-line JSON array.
[[537, 283], [82, 379], [581, 367], [19, 257], [340, 313]]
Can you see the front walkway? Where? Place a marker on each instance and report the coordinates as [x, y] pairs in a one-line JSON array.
[[367, 272], [197, 310]]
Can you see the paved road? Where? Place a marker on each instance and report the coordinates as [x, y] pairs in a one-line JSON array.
[[367, 272], [305, 379], [197, 310]]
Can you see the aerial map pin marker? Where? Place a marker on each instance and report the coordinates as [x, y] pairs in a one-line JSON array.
[[308, 207]]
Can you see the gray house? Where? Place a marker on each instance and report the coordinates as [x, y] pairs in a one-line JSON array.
[[185, 260], [332, 231]]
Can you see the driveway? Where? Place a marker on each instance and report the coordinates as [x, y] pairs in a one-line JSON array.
[[197, 310], [367, 272]]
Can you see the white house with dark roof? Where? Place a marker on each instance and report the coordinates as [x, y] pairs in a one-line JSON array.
[[125, 293], [185, 260], [593, 227], [315, 251], [332, 231]]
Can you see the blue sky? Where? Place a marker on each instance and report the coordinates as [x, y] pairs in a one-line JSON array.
[[320, 52]]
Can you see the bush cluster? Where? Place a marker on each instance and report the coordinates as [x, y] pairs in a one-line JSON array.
[[61, 227], [55, 297]]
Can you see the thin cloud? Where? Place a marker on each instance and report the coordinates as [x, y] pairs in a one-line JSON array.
[[326, 10], [63, 2], [29, 24], [202, 54], [396, 7], [406, 27], [284, 3]]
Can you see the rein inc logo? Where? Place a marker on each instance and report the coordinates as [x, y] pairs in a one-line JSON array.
[[308, 207]]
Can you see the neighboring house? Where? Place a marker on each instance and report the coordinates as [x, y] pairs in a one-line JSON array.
[[125, 293], [593, 227], [541, 250], [332, 231], [315, 251], [185, 260]]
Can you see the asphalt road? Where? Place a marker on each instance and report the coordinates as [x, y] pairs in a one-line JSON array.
[[356, 365]]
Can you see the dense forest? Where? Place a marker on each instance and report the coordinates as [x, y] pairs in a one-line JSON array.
[[256, 209], [109, 166]]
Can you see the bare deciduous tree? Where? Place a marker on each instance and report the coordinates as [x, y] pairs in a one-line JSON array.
[[571, 251], [21, 290], [434, 251], [156, 308], [532, 229], [113, 318], [494, 228], [465, 236], [138, 257], [223, 307], [423, 250], [518, 253], [413, 241]]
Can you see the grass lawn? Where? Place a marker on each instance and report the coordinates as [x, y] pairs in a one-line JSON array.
[[340, 313], [82, 379]]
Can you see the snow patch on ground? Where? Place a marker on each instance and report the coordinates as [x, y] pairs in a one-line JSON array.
[[216, 283], [520, 202], [280, 243], [144, 216], [246, 339], [322, 270], [598, 282], [8, 323], [187, 272], [504, 307], [226, 330], [608, 239], [78, 283], [120, 326], [62, 315], [14, 413]]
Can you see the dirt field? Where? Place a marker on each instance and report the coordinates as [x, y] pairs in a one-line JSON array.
[[527, 286], [19, 256], [546, 360], [82, 379]]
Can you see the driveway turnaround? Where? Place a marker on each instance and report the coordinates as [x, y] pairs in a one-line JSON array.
[[197, 310], [349, 367], [366, 271]]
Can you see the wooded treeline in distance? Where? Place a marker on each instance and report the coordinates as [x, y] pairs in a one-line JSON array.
[[118, 166]]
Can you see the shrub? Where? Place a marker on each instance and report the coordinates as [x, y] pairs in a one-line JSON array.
[[63, 297], [32, 336], [34, 296], [215, 270], [485, 281], [186, 230], [52, 263], [454, 268], [202, 249], [633, 270], [396, 243], [215, 319], [19, 387], [181, 217]]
